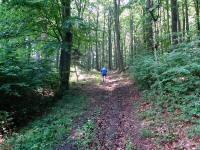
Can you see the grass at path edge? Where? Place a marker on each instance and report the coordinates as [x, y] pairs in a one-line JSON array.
[[48, 131]]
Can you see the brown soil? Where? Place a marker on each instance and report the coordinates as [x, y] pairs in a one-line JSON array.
[[117, 124]]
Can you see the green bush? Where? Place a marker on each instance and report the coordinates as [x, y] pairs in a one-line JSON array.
[[25, 88], [146, 133], [15, 78], [194, 131], [174, 79]]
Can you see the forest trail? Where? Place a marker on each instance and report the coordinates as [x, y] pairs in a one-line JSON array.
[[117, 125]]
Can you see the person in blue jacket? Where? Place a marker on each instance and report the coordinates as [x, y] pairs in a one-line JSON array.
[[104, 73]]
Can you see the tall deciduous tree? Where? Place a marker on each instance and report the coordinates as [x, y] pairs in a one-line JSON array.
[[149, 26], [174, 12], [131, 34], [65, 57], [97, 49], [187, 19], [117, 31], [110, 39], [197, 7]]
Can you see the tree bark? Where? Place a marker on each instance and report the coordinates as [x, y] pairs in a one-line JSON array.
[[103, 40], [65, 57], [196, 4], [168, 21], [174, 12], [110, 40], [187, 20], [149, 27], [97, 50], [179, 28], [183, 20], [131, 35], [117, 31]]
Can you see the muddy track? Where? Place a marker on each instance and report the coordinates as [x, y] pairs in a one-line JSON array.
[[117, 124]]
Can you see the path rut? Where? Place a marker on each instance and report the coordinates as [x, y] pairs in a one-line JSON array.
[[117, 124]]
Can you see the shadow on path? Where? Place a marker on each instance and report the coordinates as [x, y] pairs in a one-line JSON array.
[[117, 123]]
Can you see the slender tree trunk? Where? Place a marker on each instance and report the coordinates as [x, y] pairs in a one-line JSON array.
[[93, 59], [103, 40], [65, 57], [197, 3], [97, 50], [187, 20], [179, 27], [110, 40], [168, 21], [174, 11], [149, 27], [115, 51], [131, 36], [183, 20], [117, 30], [124, 49]]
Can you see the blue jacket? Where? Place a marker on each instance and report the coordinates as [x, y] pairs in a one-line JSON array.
[[104, 71]]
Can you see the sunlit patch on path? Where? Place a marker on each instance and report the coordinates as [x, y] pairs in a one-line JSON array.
[[117, 124]]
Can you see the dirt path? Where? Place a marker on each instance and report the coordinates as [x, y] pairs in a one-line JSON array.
[[117, 124]]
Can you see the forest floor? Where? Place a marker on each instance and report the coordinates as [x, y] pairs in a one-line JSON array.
[[113, 111], [111, 115], [119, 119]]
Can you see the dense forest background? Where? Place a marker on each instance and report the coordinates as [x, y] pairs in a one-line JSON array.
[[42, 41]]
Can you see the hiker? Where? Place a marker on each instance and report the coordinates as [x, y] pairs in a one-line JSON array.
[[104, 73]]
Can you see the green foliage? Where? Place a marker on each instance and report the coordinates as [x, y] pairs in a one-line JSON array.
[[194, 131], [146, 133], [168, 137], [25, 88], [87, 135], [130, 145], [46, 132], [15, 78], [149, 114], [173, 79]]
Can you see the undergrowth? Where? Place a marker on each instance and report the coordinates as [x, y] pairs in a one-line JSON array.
[[87, 135], [25, 89], [172, 81], [171, 84], [49, 130]]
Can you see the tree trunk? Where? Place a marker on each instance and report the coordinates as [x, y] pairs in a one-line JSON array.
[[65, 57], [187, 20], [103, 40], [115, 51], [97, 50], [168, 21], [149, 27], [117, 30], [110, 40], [131, 36], [197, 3], [174, 11], [179, 28], [183, 20]]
